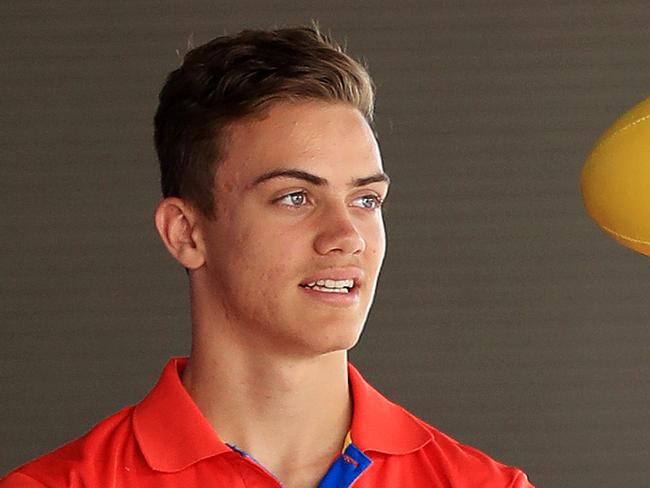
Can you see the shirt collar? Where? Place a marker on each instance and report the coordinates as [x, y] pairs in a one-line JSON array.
[[379, 424], [173, 433], [170, 429]]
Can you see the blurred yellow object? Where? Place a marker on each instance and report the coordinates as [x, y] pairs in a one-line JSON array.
[[616, 179]]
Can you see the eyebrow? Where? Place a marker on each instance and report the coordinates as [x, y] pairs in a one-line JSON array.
[[317, 180]]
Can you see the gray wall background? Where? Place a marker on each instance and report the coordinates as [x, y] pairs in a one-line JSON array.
[[504, 316]]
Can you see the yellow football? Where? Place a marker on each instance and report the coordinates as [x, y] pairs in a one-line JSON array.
[[616, 179]]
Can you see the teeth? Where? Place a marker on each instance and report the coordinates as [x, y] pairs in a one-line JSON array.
[[331, 286], [330, 290], [334, 283]]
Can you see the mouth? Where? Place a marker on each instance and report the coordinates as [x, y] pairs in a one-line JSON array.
[[338, 286], [331, 285]]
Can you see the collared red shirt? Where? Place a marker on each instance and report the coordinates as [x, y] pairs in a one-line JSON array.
[[164, 441]]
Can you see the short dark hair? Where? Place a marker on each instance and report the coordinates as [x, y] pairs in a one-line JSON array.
[[233, 77]]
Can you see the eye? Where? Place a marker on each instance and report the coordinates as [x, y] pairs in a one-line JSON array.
[[295, 199], [370, 202]]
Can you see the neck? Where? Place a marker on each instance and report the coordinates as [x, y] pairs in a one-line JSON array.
[[299, 403], [289, 413]]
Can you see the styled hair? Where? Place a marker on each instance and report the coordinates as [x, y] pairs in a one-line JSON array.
[[234, 77]]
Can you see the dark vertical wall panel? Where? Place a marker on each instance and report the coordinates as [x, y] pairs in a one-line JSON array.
[[504, 316]]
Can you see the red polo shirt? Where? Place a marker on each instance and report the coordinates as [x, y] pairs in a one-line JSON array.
[[164, 441]]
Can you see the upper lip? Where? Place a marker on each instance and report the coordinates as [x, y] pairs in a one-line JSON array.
[[340, 273]]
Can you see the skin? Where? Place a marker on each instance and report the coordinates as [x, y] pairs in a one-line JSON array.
[[298, 196]]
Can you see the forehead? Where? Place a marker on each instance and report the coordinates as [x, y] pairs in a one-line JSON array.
[[330, 140]]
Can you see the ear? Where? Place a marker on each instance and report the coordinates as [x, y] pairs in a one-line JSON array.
[[176, 222]]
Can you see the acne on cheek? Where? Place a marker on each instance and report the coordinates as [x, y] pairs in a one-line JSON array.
[[222, 187], [269, 278]]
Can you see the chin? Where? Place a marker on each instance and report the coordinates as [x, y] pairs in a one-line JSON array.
[[341, 339]]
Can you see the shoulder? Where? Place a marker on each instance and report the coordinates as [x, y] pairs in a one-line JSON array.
[[92, 452], [464, 465], [20, 480], [406, 451]]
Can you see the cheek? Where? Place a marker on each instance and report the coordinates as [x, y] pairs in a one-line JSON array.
[[376, 242], [266, 253]]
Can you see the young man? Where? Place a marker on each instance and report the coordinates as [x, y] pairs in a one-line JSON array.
[[273, 186]]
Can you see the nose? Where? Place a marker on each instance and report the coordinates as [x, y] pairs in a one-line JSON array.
[[337, 233]]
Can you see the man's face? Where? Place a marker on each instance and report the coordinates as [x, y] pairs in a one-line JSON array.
[[293, 255]]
